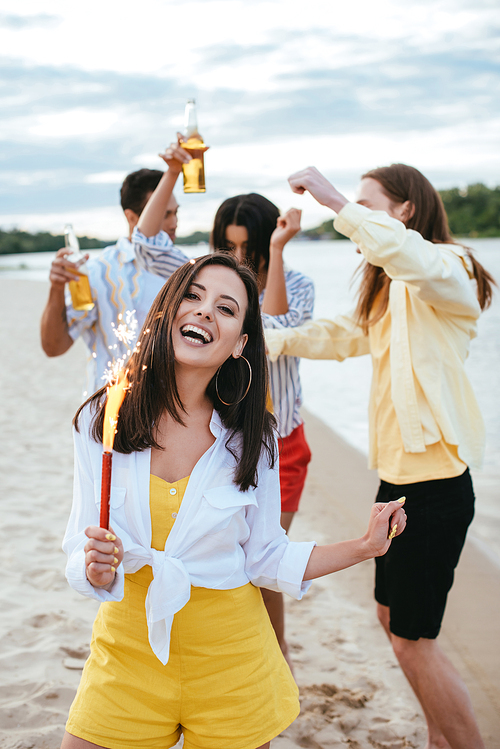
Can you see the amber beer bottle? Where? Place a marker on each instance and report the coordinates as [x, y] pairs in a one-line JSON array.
[[81, 296], [194, 171]]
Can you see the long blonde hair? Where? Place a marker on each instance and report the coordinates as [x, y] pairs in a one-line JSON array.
[[400, 183]]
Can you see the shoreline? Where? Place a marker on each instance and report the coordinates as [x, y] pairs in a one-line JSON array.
[[352, 689]]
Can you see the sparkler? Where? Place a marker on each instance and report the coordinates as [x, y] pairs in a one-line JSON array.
[[117, 379], [116, 394]]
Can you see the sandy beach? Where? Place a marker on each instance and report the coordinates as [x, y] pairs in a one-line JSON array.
[[352, 690]]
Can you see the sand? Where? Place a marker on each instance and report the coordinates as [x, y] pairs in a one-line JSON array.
[[352, 690]]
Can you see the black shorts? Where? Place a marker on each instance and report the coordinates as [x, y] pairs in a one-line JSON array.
[[413, 578]]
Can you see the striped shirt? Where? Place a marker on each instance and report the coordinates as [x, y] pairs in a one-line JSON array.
[[120, 286], [284, 373], [284, 377]]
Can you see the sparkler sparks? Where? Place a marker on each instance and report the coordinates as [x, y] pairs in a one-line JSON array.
[[126, 333]]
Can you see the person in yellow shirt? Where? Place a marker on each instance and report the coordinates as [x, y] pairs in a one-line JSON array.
[[419, 300]]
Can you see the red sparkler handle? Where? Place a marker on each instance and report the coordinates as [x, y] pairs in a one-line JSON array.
[[105, 488]]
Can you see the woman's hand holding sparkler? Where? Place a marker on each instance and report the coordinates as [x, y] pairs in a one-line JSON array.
[[103, 553]]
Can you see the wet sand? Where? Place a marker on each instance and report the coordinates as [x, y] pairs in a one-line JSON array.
[[352, 690]]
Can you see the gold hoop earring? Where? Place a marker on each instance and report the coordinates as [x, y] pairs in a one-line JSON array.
[[246, 391]]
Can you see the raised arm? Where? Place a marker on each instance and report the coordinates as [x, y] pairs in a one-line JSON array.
[[275, 297], [151, 219], [55, 337], [439, 274], [311, 180]]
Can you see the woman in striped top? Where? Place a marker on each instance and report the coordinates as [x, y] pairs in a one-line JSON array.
[[252, 228]]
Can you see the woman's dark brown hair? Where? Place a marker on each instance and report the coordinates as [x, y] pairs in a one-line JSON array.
[[153, 388], [258, 215], [402, 183]]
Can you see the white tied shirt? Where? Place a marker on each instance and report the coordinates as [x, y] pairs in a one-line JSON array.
[[222, 538]]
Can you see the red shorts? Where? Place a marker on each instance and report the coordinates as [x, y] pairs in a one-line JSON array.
[[294, 457]]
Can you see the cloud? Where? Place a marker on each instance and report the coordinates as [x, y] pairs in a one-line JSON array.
[[16, 22], [423, 87], [106, 178]]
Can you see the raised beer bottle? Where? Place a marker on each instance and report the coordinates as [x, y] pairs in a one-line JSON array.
[[194, 171], [81, 296]]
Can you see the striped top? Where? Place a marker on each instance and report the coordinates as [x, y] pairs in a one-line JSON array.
[[284, 377], [119, 285], [283, 373]]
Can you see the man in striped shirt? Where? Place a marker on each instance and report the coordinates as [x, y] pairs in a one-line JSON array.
[[122, 290]]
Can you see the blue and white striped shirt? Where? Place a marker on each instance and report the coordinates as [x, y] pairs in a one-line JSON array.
[[284, 373], [284, 376], [119, 284]]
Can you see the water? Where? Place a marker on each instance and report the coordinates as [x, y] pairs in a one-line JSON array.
[[338, 392]]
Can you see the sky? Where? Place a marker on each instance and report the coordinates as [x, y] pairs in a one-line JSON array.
[[92, 91]]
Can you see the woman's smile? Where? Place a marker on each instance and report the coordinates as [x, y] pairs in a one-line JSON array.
[[195, 334]]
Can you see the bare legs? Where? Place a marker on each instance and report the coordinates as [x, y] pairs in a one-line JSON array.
[[439, 688], [274, 602], [73, 742]]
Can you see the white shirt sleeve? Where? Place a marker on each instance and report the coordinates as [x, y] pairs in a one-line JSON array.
[[272, 560]]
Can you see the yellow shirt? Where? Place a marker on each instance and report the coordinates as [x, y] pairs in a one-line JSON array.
[[394, 464], [426, 333]]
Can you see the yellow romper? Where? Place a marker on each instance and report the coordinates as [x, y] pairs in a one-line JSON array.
[[226, 684]]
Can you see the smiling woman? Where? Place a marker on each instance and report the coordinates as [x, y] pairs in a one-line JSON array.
[[219, 297], [182, 642]]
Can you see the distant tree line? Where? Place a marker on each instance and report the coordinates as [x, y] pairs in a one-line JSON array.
[[16, 241], [472, 212], [195, 238]]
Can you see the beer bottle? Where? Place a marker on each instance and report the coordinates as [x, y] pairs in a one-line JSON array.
[[81, 296], [194, 171]]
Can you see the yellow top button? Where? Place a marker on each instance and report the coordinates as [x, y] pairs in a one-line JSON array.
[[174, 515], [173, 491]]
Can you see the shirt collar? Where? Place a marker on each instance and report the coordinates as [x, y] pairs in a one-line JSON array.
[[216, 425], [126, 248]]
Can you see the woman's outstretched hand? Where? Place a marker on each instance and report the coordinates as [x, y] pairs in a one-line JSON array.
[[324, 192], [387, 520], [103, 553]]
